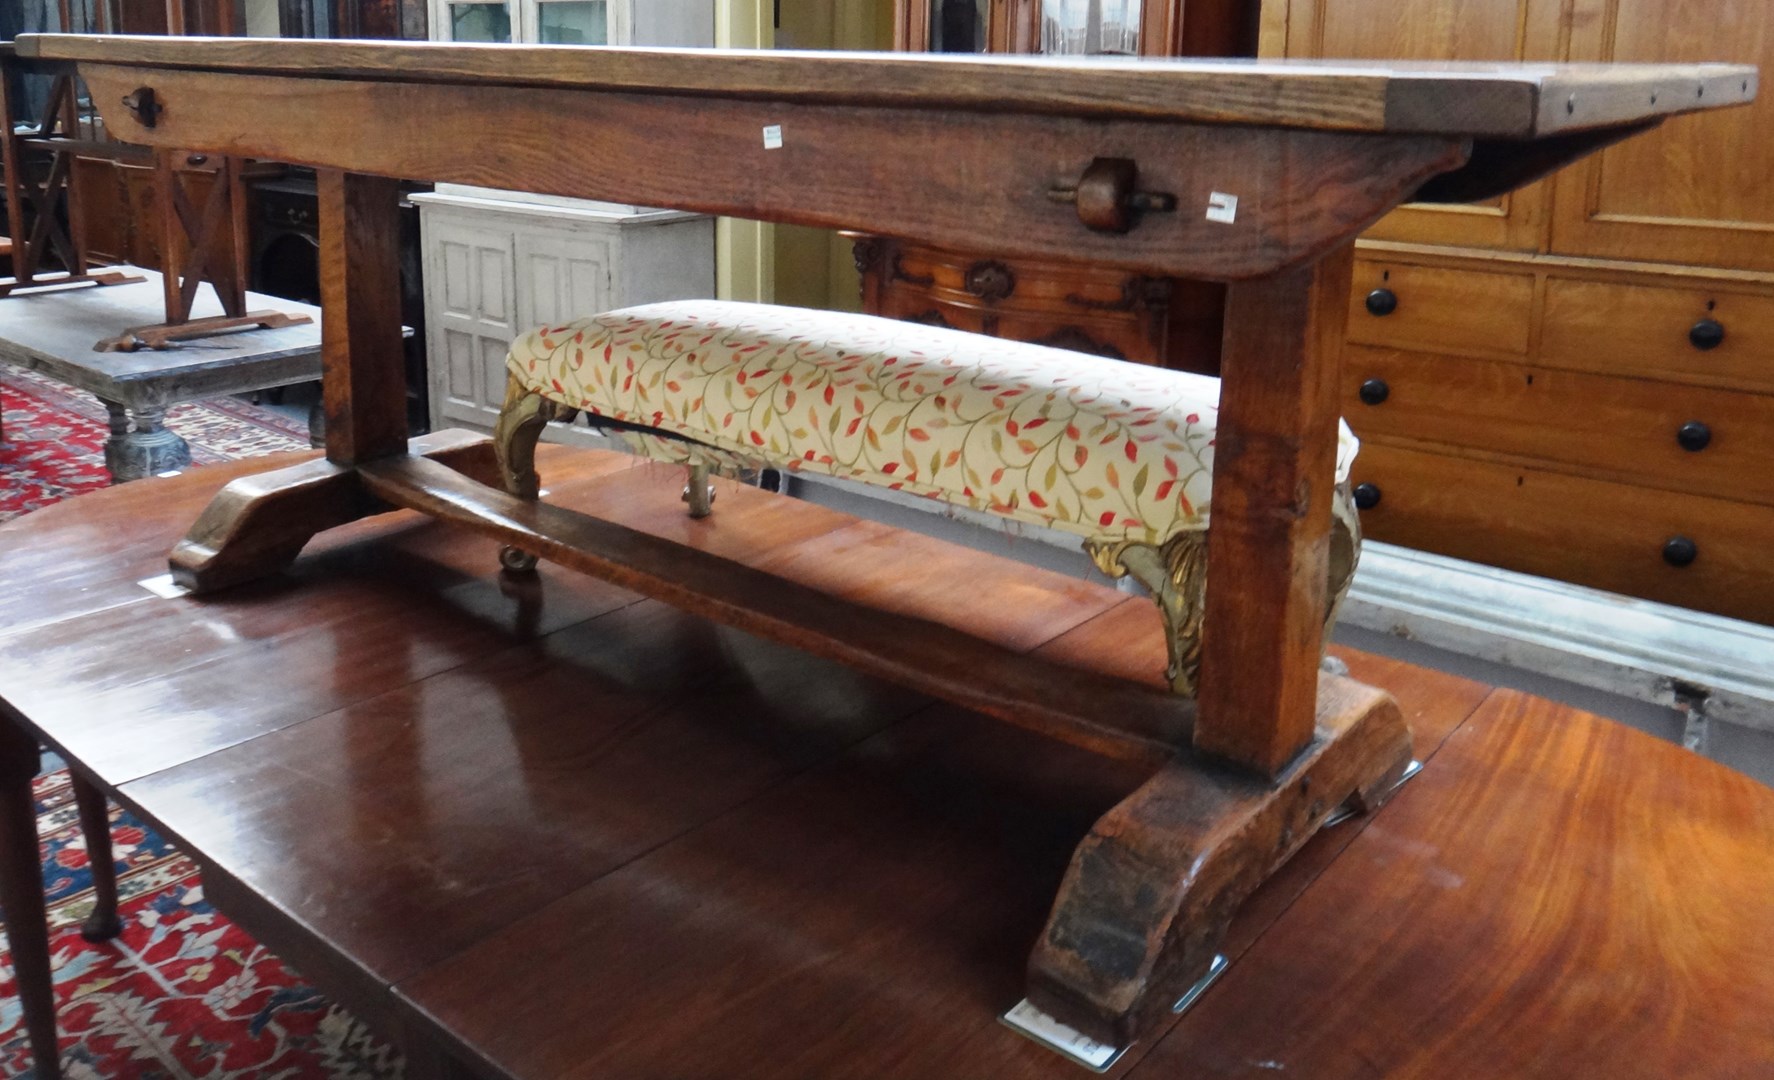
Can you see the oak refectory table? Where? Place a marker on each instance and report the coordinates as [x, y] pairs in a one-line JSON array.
[[1256, 174]]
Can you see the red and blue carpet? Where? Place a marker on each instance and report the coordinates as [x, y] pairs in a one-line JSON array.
[[53, 443], [182, 994]]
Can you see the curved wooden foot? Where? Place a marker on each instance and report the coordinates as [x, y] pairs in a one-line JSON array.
[[1151, 890], [257, 525], [95, 825]]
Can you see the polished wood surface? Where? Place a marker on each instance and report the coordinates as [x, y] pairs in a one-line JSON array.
[[554, 831], [1127, 154], [1508, 101]]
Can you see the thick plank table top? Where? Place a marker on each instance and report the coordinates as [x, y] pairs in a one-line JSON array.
[[1516, 101], [54, 332], [561, 832]]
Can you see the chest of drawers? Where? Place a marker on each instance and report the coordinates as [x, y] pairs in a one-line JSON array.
[[1609, 424]]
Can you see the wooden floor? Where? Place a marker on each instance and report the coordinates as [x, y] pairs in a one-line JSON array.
[[569, 834]]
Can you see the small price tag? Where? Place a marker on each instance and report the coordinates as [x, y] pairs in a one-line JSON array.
[[1222, 208], [773, 137], [1037, 1025], [164, 587]]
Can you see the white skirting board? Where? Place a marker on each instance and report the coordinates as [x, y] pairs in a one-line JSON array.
[[1649, 652]]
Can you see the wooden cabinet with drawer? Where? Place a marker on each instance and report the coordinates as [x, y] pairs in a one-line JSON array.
[[1681, 549], [1159, 321]]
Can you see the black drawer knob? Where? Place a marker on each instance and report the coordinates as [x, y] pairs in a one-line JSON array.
[[1694, 436], [1707, 334], [1375, 392], [1382, 302], [1367, 496], [1679, 551]]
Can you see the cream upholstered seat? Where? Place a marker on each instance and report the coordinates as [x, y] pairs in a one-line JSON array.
[[1117, 453]]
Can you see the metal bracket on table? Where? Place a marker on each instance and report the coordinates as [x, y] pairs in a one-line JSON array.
[[1345, 812], [1031, 1023]]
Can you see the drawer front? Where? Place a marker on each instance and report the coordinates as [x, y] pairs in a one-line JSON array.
[[1468, 312], [1691, 439], [1608, 536], [1692, 335]]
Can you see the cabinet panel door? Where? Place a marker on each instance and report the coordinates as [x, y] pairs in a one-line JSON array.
[[1430, 30], [1698, 190], [469, 313]]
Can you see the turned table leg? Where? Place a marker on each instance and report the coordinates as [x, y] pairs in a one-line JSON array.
[[141, 445], [95, 824], [21, 896]]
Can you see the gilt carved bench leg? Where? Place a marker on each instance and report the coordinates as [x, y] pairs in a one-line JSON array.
[[1175, 574], [699, 493], [1151, 890], [522, 419], [95, 825], [1345, 552]]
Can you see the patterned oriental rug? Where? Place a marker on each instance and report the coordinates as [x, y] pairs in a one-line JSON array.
[[182, 994], [54, 438]]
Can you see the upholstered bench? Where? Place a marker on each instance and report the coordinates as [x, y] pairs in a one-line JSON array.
[[1116, 453]]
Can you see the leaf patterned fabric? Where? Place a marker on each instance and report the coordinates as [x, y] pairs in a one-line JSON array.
[[1096, 447]]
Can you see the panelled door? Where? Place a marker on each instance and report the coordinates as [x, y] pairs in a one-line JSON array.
[[1431, 30], [1699, 189]]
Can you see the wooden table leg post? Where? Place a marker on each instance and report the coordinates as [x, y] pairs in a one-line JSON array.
[[362, 358], [95, 825], [1277, 746], [21, 896], [1268, 549], [257, 525]]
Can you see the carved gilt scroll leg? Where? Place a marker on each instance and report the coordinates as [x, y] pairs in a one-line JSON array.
[[1175, 574], [1345, 553], [1150, 892], [522, 419], [95, 826], [698, 492]]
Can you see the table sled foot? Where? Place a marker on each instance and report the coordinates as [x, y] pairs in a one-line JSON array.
[[257, 525], [1148, 896]]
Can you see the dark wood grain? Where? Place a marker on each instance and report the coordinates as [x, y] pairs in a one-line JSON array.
[[840, 166], [1273, 480], [866, 910], [1505, 100], [1556, 896], [1145, 904], [21, 893], [364, 378], [1109, 716], [258, 524]]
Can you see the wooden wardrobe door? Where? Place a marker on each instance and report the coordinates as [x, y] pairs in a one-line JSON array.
[[1698, 190], [1430, 30]]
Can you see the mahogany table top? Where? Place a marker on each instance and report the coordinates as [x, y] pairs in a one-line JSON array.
[[573, 834]]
